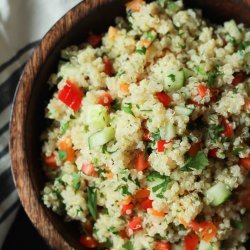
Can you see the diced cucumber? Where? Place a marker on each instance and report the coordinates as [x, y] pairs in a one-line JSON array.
[[218, 194], [188, 73], [97, 116], [174, 80], [101, 137], [180, 110], [209, 246], [170, 132]]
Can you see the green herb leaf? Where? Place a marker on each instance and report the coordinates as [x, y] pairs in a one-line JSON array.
[[237, 224], [156, 136], [141, 50], [243, 45], [230, 39], [92, 201], [215, 131], [125, 190], [116, 105], [236, 151], [161, 182], [64, 127], [151, 36], [200, 70], [128, 245], [212, 75], [113, 230], [172, 77], [199, 162], [127, 107], [62, 155], [76, 182]]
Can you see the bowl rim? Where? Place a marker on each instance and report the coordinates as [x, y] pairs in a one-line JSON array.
[[19, 164]]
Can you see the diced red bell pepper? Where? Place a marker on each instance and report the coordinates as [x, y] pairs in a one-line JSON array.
[[89, 169], [142, 193], [127, 209], [88, 241], [108, 66], [213, 152], [191, 241], [105, 99], [194, 149], [161, 145], [134, 225], [228, 130], [163, 98], [146, 203], [162, 245], [245, 162], [239, 77], [202, 90], [94, 40], [146, 135], [142, 161], [71, 95]]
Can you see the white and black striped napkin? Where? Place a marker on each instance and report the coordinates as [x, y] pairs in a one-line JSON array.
[[22, 25]]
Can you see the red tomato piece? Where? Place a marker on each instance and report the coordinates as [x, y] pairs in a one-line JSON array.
[[163, 98], [71, 95], [146, 135], [142, 193], [88, 241], [127, 209], [206, 229], [88, 169], [94, 40], [191, 241], [228, 130], [134, 225], [50, 161], [146, 203], [142, 162], [161, 145], [245, 162], [105, 99], [202, 90], [162, 245], [239, 77], [194, 149], [213, 152], [108, 66]]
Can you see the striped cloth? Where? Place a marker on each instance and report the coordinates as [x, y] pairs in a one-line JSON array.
[[22, 25]]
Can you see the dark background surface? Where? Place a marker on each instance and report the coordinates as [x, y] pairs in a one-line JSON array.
[[23, 235]]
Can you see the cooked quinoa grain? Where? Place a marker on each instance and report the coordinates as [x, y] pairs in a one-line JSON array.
[[149, 142]]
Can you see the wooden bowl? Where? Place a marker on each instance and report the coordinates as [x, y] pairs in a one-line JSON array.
[[32, 95]]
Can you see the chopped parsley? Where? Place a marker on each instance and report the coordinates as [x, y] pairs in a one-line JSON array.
[[125, 190], [64, 127], [158, 182], [92, 201], [128, 245], [156, 136], [243, 45], [200, 70], [116, 105], [151, 36], [113, 230], [76, 181], [62, 155], [212, 75], [172, 77], [215, 131], [236, 151], [198, 162], [141, 50], [127, 107], [237, 224], [230, 39]]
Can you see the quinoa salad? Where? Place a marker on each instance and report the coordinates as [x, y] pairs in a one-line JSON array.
[[148, 142]]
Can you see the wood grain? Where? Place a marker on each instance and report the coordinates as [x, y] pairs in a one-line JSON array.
[[27, 111]]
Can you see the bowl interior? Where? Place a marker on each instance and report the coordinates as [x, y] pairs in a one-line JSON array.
[[35, 122]]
